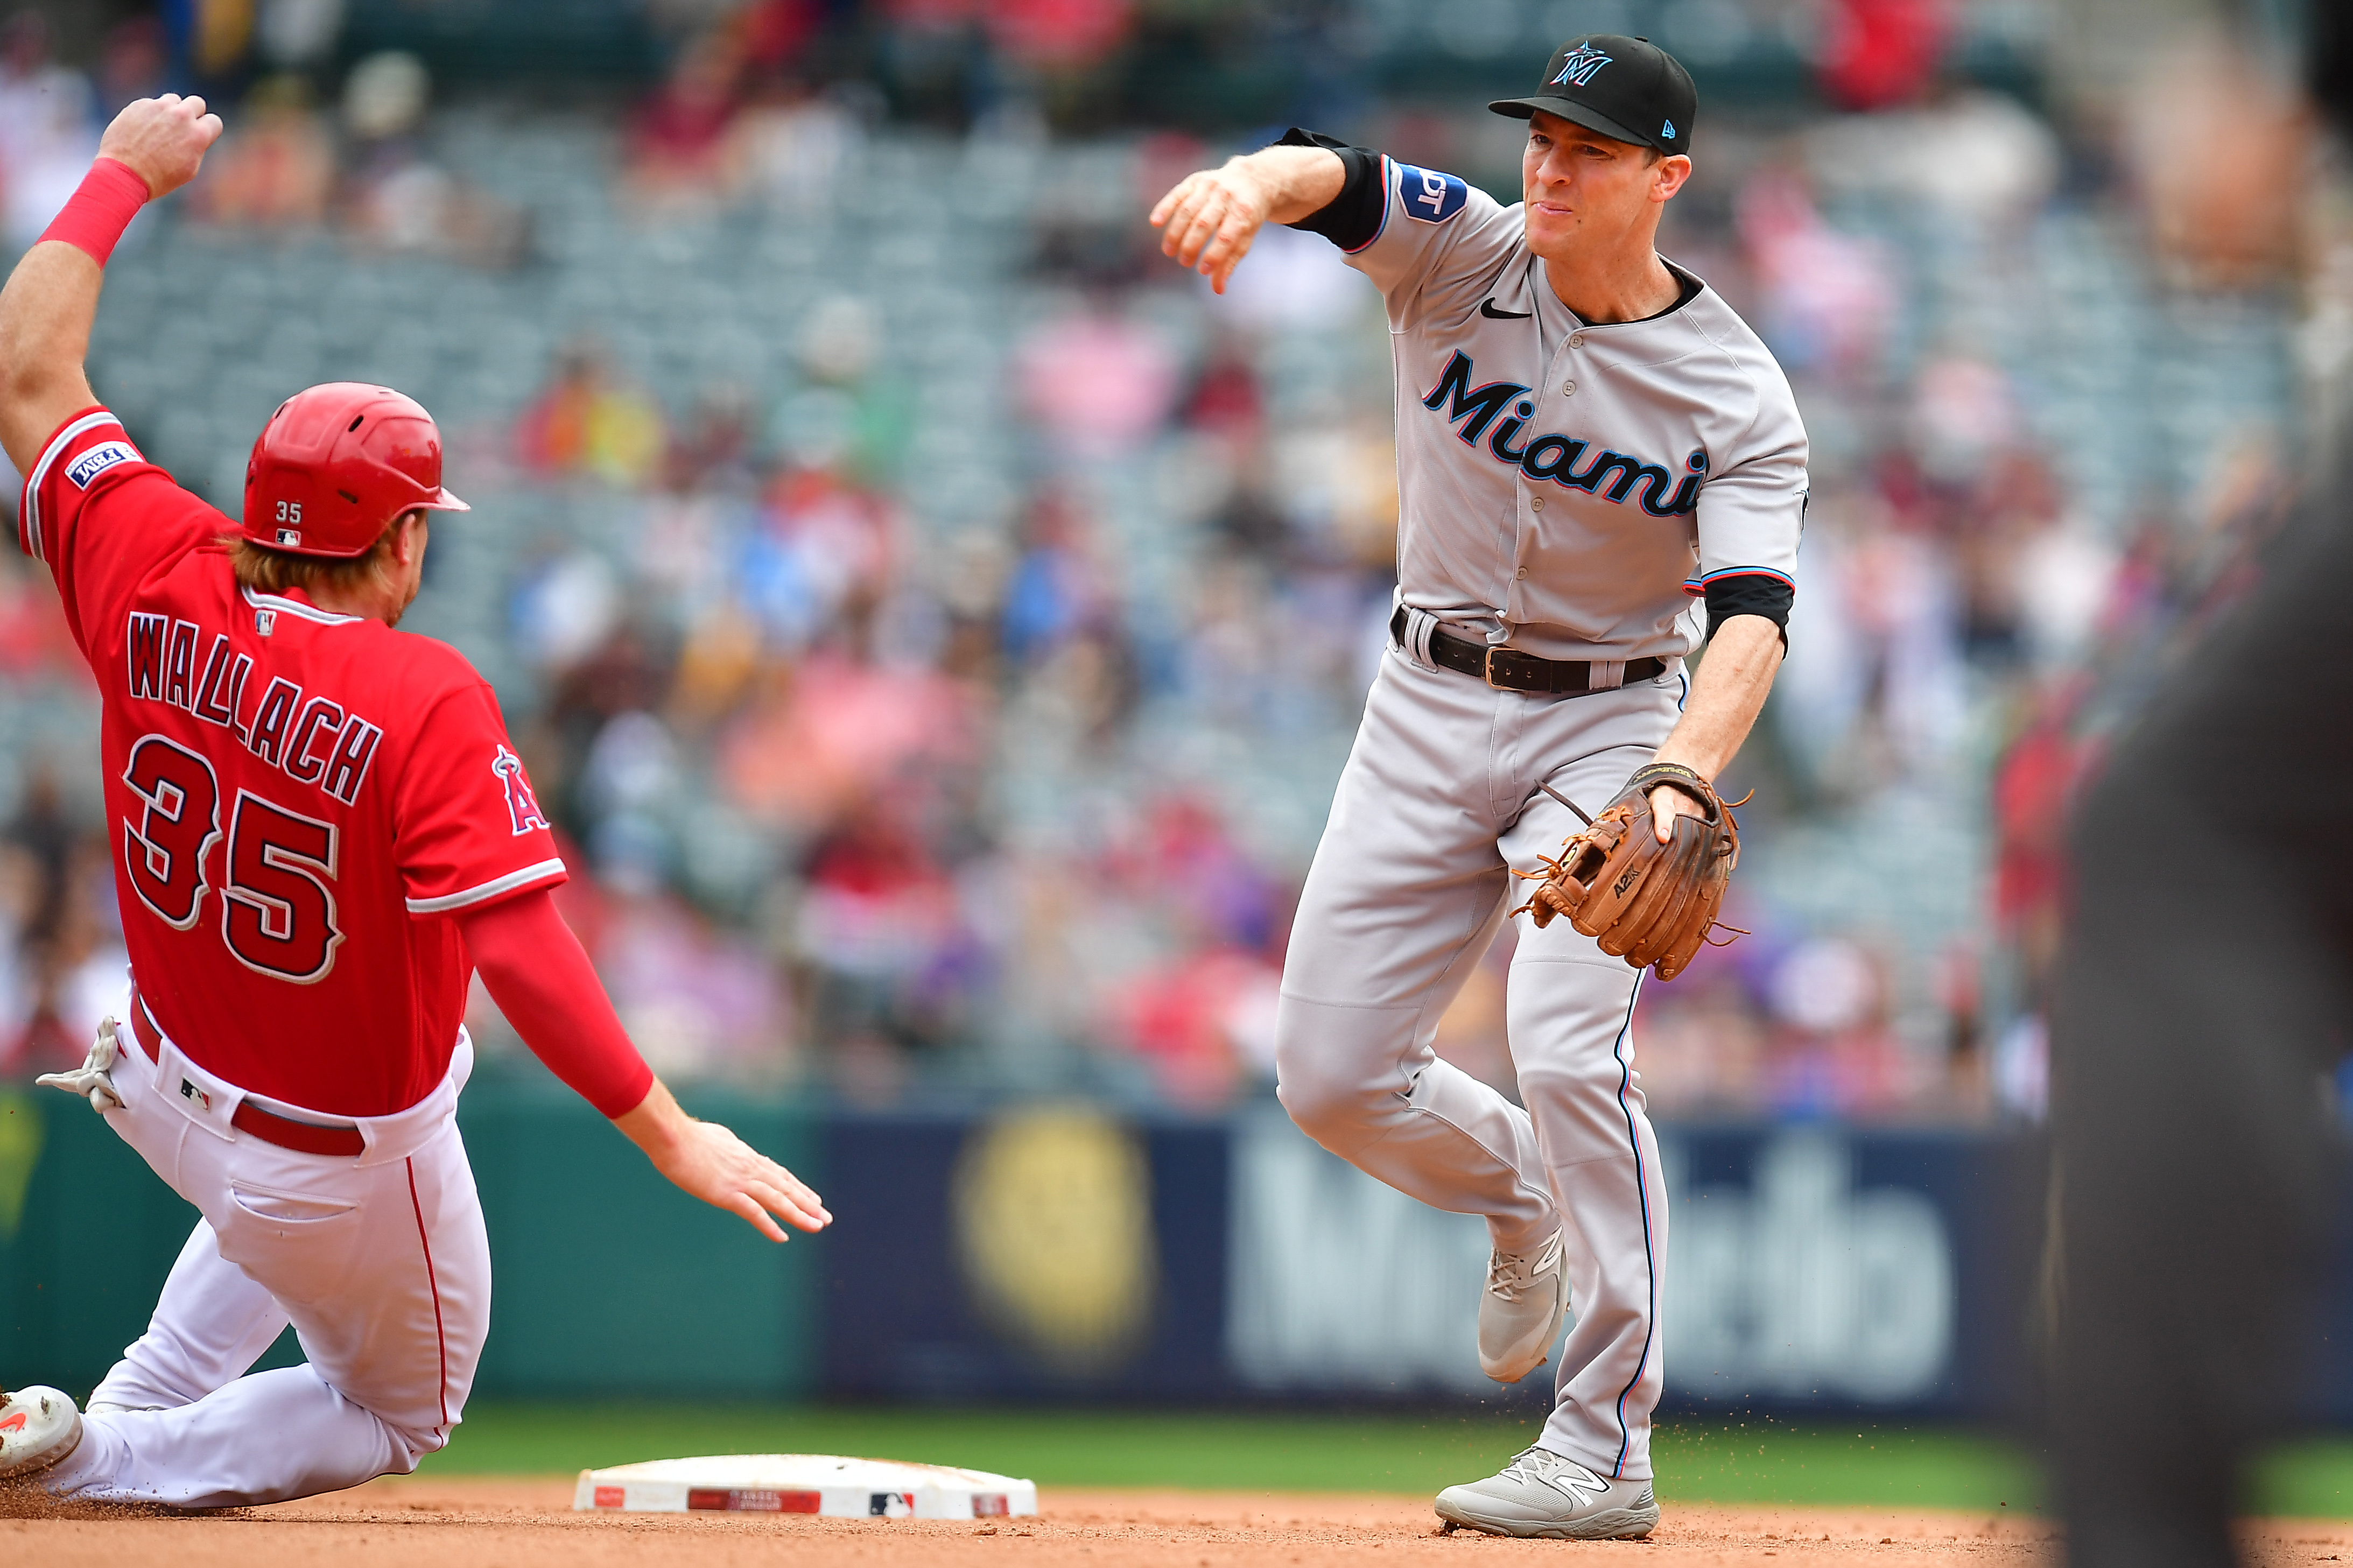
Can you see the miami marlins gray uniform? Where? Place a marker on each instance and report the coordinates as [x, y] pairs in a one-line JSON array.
[[1574, 491]]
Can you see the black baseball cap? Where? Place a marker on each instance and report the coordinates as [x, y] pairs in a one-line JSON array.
[[1627, 88]]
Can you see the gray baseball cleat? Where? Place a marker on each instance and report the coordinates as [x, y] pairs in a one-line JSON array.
[[1541, 1494], [1520, 1314], [38, 1426]]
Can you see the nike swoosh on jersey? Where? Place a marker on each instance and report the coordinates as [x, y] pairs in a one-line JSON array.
[[1487, 308]]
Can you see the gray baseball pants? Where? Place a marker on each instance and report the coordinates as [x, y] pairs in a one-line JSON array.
[[1408, 887]]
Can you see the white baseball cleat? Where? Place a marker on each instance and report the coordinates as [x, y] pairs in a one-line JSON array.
[[1520, 1314], [1541, 1494], [38, 1426]]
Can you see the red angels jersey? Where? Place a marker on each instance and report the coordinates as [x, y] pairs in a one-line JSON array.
[[299, 801]]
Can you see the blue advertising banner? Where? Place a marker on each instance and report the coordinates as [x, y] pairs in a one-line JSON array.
[[1072, 1252], [1064, 1252], [1046, 1253]]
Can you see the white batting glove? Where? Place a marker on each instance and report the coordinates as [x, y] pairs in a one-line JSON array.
[[92, 1079]]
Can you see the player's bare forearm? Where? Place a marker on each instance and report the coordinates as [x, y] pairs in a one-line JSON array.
[[44, 316], [1727, 693], [711, 1163], [51, 299], [1207, 221]]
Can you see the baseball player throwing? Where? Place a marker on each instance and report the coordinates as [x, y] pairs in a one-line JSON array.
[[321, 829], [1589, 442]]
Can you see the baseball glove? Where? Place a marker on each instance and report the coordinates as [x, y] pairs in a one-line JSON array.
[[1650, 903]]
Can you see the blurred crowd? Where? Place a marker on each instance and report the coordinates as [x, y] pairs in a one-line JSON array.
[[872, 783]]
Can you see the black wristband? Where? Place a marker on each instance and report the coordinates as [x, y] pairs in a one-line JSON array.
[[1751, 594]]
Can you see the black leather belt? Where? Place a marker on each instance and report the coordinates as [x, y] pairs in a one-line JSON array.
[[1509, 669]]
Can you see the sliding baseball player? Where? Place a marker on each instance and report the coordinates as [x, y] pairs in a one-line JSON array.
[[320, 830]]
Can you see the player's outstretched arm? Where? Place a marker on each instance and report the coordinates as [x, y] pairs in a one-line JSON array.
[[1207, 221], [1727, 693], [543, 982], [51, 299]]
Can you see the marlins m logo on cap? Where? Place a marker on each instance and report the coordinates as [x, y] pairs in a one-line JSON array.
[[1624, 88], [1580, 65]]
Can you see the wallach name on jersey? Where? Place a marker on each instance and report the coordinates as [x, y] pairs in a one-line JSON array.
[[1555, 458], [314, 741], [98, 459]]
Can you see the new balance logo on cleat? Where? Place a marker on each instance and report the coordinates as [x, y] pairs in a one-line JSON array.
[[1581, 1484]]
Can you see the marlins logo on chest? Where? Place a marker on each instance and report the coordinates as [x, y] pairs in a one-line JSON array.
[[1478, 411]]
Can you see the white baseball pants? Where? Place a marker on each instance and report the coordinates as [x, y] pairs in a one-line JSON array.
[[1408, 887], [380, 1263]]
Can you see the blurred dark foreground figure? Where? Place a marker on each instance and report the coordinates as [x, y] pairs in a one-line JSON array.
[[2206, 991], [2202, 998]]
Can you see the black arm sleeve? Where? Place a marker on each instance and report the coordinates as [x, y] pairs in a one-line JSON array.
[[1355, 214], [1766, 596]]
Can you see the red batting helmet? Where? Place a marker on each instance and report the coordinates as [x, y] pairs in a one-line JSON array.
[[336, 464]]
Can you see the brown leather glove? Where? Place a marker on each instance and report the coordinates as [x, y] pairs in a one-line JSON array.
[[1650, 903]]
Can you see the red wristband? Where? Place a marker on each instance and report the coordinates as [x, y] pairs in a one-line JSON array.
[[108, 197]]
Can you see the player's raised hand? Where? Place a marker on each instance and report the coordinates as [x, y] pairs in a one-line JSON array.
[[161, 139], [708, 1161], [1209, 220]]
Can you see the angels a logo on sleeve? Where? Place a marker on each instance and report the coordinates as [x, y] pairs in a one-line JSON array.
[[522, 806]]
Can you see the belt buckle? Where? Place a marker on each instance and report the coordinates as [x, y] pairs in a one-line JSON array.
[[1487, 667]]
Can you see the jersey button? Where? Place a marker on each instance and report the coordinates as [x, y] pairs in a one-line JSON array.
[[1576, 339], [1521, 573], [1568, 389], [1536, 504]]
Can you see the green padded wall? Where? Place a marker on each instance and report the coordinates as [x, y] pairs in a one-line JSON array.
[[606, 1280]]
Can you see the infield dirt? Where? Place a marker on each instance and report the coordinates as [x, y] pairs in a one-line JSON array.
[[525, 1523]]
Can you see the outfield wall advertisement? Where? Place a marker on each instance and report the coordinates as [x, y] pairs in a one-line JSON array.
[[1809, 1267], [1064, 1251]]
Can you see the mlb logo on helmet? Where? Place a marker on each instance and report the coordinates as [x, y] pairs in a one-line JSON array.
[[336, 464]]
